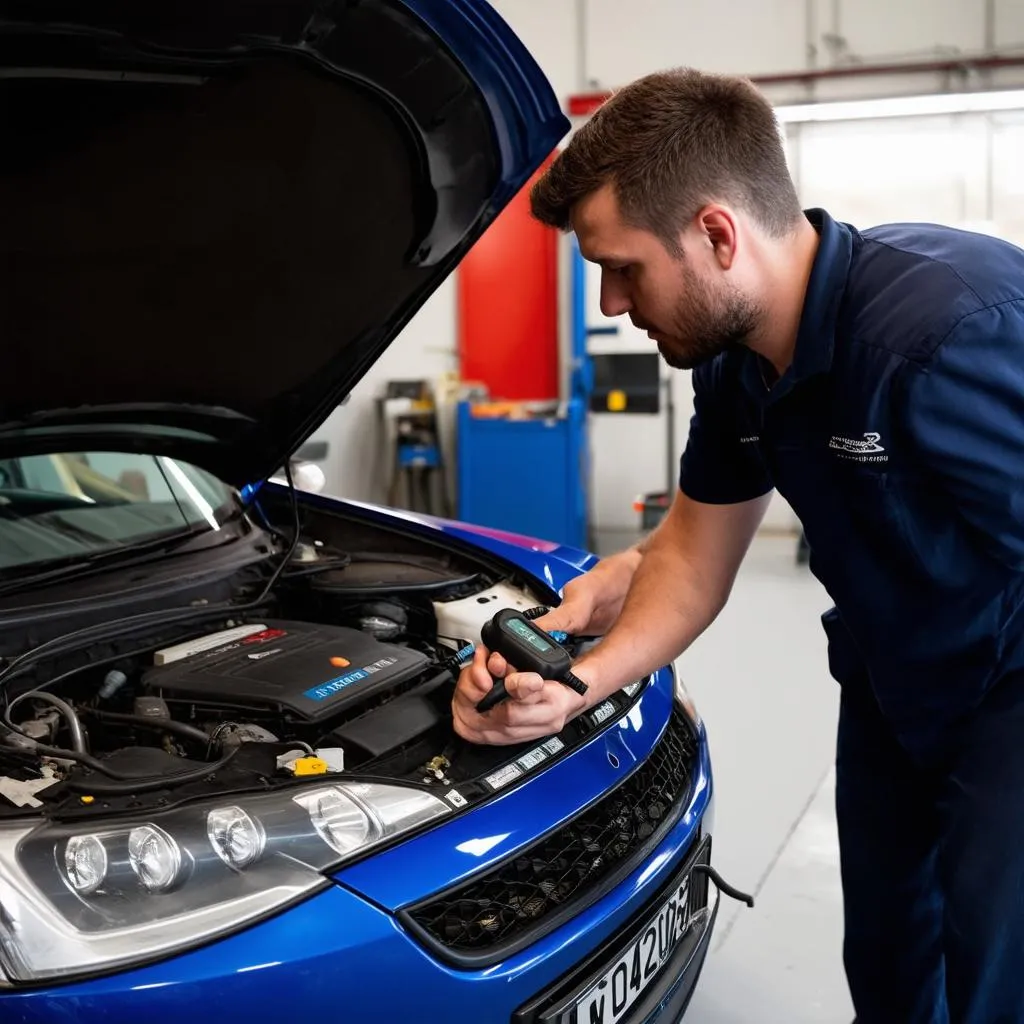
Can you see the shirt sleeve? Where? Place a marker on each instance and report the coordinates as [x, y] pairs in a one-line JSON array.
[[722, 463], [965, 417]]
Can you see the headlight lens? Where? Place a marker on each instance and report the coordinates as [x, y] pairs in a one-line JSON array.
[[79, 899], [155, 858], [85, 863], [683, 698], [235, 837]]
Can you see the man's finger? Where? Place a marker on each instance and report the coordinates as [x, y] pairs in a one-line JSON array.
[[497, 665], [560, 618], [474, 682], [524, 687]]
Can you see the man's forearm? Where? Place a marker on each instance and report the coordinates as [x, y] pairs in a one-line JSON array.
[[665, 610], [683, 577]]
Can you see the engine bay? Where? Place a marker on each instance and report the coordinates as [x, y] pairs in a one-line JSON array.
[[329, 672]]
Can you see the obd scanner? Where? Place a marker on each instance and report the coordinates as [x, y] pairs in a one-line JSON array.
[[528, 648]]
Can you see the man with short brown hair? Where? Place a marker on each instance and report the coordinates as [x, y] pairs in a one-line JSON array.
[[876, 379]]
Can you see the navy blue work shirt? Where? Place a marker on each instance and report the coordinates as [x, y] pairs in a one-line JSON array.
[[897, 436]]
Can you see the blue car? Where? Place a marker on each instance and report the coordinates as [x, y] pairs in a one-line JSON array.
[[229, 784]]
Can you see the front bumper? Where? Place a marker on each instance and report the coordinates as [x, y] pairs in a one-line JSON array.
[[599, 988], [343, 955]]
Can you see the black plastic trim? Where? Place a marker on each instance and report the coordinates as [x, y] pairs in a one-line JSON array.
[[553, 920]]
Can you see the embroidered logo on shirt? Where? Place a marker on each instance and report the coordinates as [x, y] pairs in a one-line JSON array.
[[750, 440], [865, 450]]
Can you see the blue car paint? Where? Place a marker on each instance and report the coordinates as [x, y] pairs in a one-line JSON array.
[[443, 857], [555, 564], [342, 952], [339, 955], [528, 120]]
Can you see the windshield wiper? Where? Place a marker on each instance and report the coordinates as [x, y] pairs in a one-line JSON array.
[[77, 566]]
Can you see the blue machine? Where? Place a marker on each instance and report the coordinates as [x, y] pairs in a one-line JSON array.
[[499, 458]]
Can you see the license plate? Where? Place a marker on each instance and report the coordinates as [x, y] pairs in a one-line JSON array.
[[625, 981]]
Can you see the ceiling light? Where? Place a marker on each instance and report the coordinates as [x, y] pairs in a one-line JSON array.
[[902, 106]]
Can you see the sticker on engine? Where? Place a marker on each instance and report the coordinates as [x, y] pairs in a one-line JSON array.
[[456, 798], [553, 746], [502, 778], [234, 645], [260, 655], [533, 758], [603, 712], [263, 636], [332, 686]]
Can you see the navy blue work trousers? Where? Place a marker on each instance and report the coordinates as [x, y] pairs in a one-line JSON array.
[[932, 860]]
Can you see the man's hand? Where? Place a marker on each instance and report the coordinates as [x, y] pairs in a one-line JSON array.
[[592, 602], [535, 707]]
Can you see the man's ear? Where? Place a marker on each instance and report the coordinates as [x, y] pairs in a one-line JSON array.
[[718, 226]]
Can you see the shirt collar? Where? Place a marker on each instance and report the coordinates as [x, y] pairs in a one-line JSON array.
[[815, 340]]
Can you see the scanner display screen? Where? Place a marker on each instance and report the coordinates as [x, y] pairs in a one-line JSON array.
[[523, 631]]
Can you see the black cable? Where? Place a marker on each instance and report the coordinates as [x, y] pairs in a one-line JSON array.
[[291, 547], [5, 720], [158, 724], [66, 710], [455, 663], [722, 884], [133, 783], [67, 675]]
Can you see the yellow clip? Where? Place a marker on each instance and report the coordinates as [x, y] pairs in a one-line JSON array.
[[616, 401], [310, 766], [87, 799]]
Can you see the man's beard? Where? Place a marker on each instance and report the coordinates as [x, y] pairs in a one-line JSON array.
[[705, 325]]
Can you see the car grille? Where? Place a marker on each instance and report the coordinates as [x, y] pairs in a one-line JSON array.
[[509, 906]]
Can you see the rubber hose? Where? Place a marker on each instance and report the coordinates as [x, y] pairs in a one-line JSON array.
[[159, 724], [70, 716]]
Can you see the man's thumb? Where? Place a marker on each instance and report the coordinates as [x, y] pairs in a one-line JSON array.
[[561, 619]]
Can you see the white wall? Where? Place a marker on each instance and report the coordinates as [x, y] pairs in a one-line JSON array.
[[357, 465], [958, 170]]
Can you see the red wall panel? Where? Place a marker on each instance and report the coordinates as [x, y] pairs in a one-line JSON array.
[[508, 305]]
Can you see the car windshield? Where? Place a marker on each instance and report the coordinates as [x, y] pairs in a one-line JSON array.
[[77, 504]]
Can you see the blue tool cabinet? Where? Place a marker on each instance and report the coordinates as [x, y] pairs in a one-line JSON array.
[[531, 475], [527, 476]]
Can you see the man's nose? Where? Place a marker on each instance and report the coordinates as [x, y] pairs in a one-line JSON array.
[[615, 298]]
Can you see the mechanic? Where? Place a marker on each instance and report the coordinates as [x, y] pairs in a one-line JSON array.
[[876, 379]]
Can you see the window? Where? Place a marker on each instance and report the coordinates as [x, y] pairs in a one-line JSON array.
[[76, 503]]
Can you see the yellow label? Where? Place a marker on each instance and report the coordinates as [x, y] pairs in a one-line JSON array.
[[310, 766], [616, 401], [88, 799]]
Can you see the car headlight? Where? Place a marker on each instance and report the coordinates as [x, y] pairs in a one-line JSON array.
[[683, 698], [77, 898]]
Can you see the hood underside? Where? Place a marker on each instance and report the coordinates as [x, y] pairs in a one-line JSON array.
[[216, 219]]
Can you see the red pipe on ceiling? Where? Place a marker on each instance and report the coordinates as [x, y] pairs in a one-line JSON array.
[[584, 104]]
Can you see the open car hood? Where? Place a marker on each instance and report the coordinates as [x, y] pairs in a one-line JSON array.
[[217, 213]]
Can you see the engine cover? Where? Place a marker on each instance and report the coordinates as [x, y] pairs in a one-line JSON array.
[[312, 671]]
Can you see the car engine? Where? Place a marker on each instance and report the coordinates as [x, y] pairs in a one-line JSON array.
[[343, 664], [346, 666], [301, 672]]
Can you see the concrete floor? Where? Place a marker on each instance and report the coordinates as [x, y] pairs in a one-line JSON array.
[[760, 679]]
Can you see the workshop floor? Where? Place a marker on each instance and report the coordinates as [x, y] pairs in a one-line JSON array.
[[760, 679]]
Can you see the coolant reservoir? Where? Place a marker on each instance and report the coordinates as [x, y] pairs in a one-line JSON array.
[[459, 622]]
